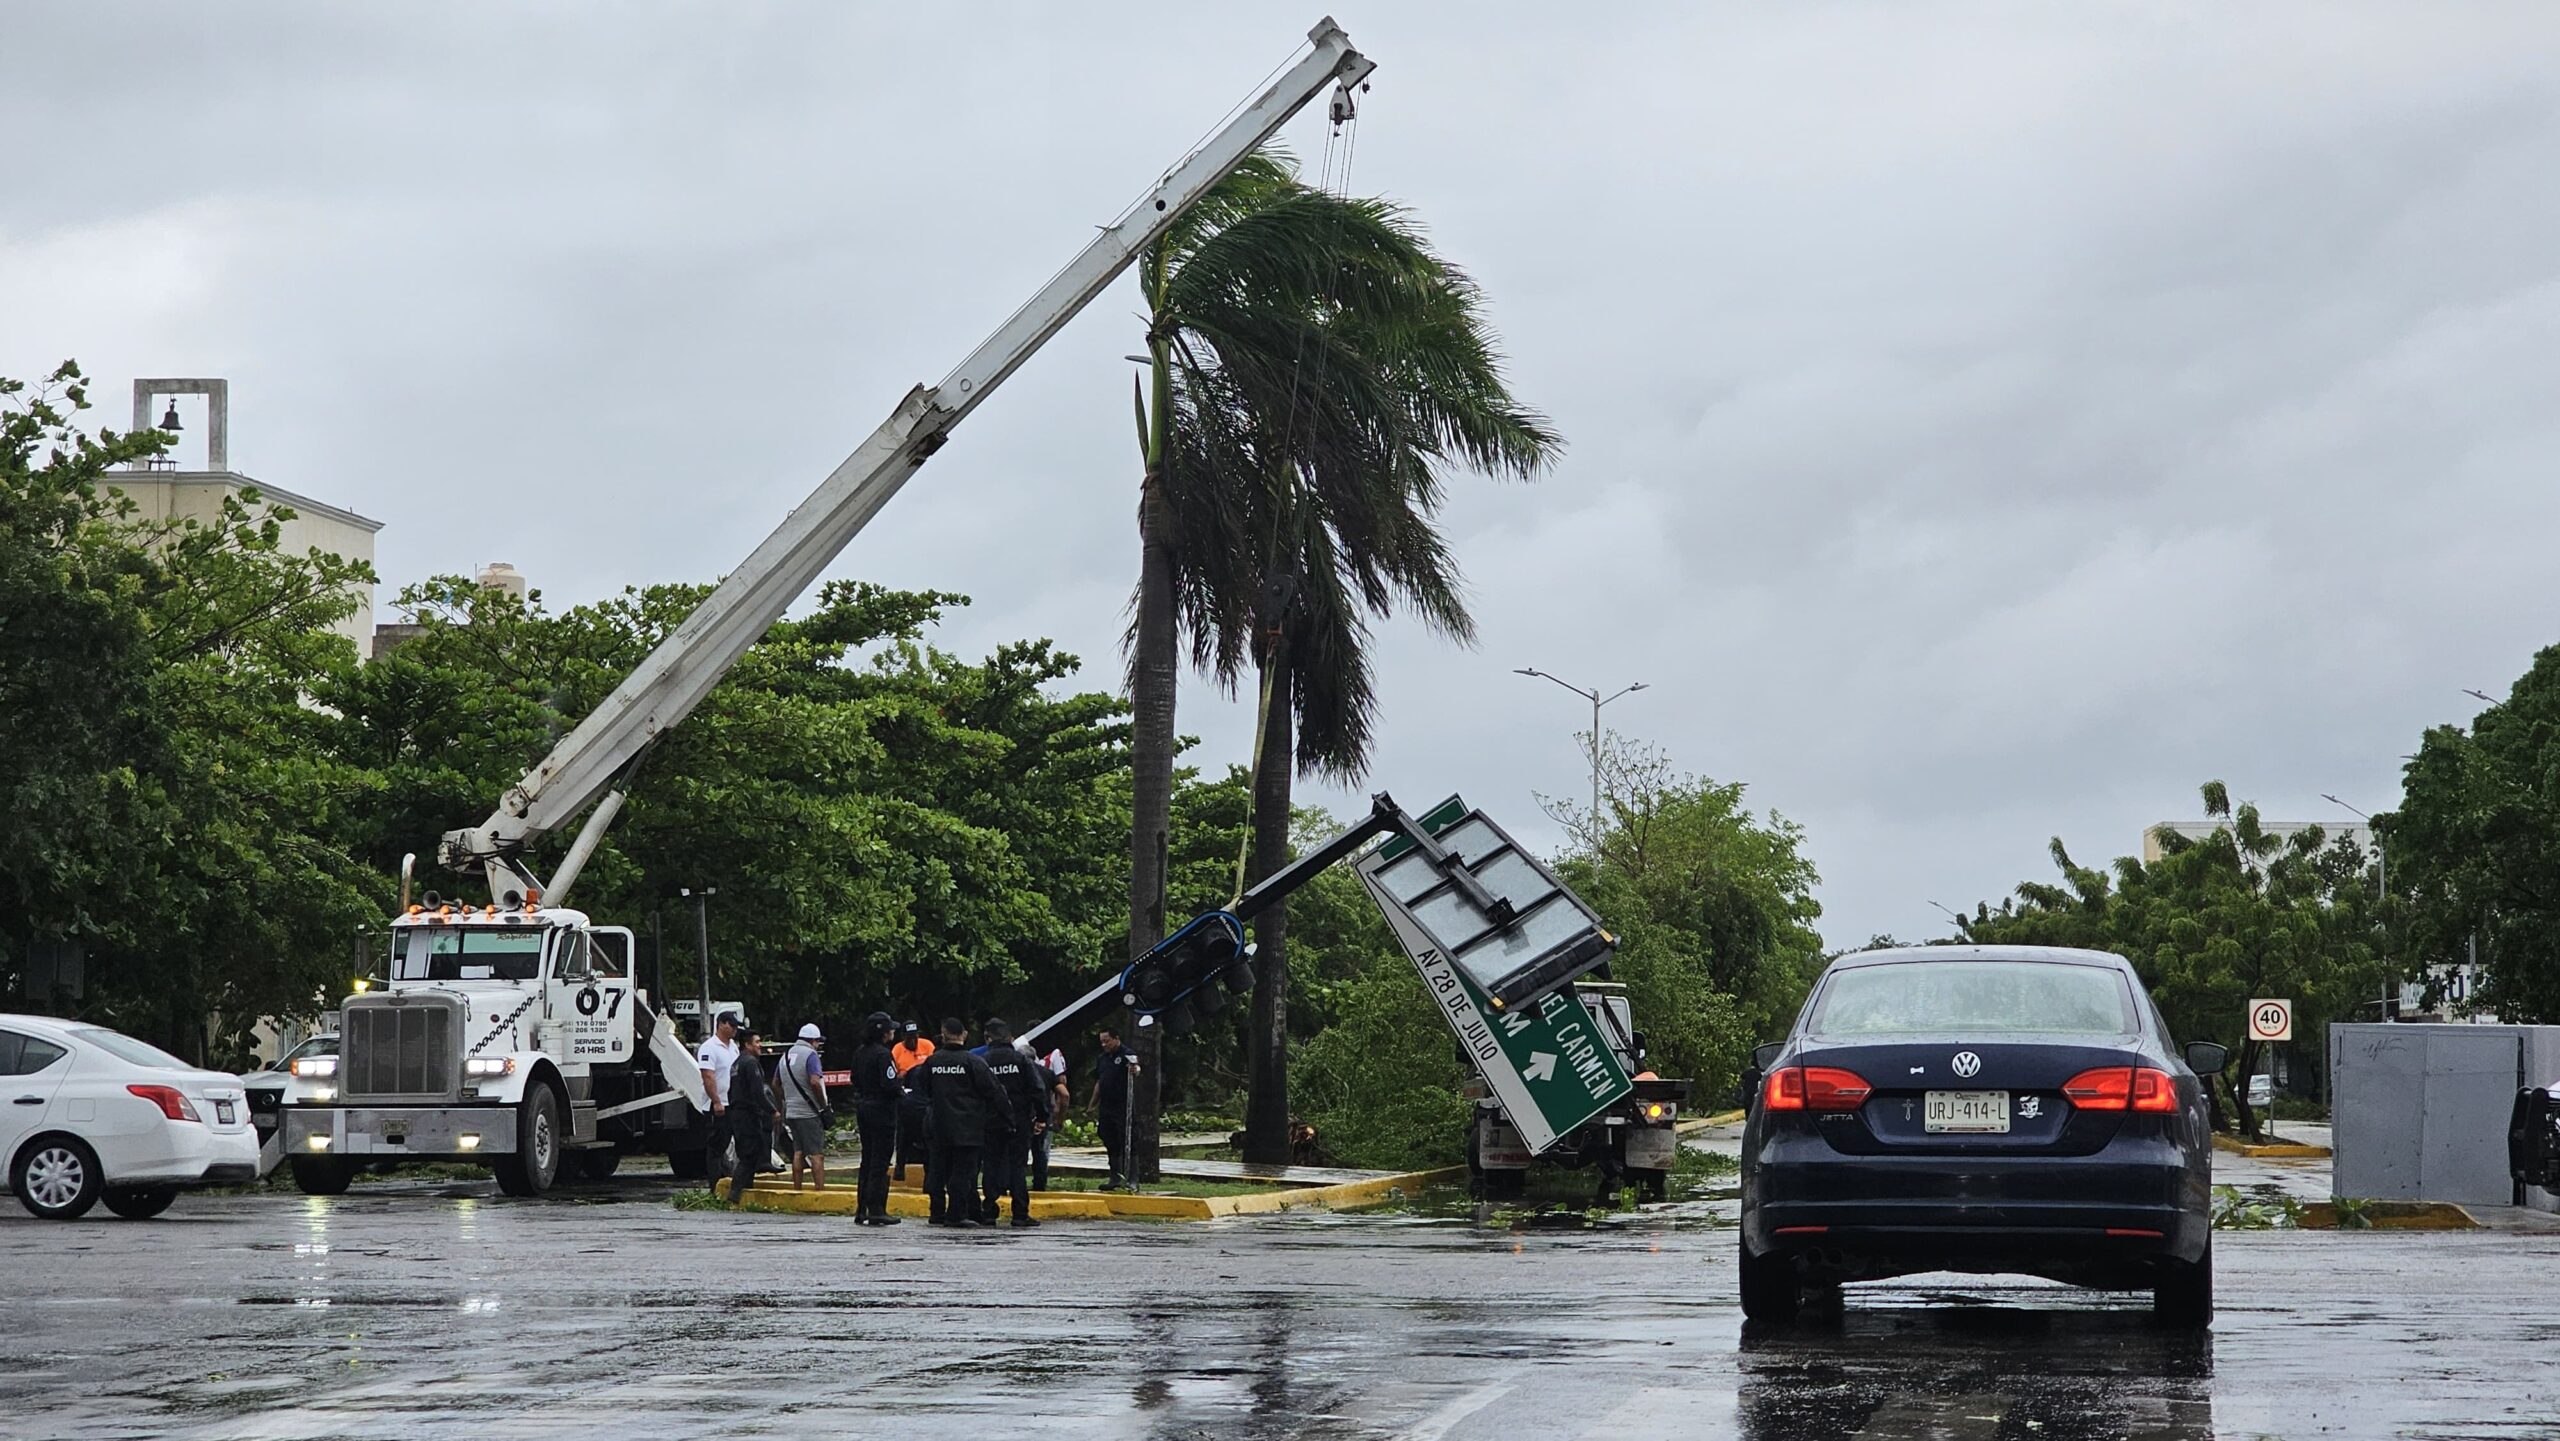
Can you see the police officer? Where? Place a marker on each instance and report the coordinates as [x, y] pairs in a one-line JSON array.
[[967, 1101], [876, 1097], [1026, 1089]]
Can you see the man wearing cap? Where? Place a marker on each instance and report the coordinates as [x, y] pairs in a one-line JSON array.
[[876, 1097], [805, 1111], [718, 1057], [915, 1117]]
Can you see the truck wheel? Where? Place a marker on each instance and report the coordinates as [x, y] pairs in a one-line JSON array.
[[1505, 1184], [687, 1165], [322, 1175], [2182, 1295], [536, 1163], [1771, 1290], [140, 1203], [56, 1178], [595, 1165]]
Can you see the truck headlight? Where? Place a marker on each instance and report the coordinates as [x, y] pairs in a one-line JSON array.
[[313, 1067], [485, 1066], [324, 1093]]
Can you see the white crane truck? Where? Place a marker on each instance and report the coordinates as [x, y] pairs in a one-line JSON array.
[[513, 1032]]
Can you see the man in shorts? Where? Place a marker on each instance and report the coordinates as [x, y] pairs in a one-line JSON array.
[[804, 1102]]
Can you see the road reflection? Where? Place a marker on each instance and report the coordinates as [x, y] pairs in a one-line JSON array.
[[1971, 1371]]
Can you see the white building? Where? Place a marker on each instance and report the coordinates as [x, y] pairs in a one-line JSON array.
[[162, 491]]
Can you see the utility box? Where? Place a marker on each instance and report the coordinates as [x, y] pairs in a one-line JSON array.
[[2420, 1112]]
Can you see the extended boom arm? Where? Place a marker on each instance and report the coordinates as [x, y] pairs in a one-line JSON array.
[[688, 663]]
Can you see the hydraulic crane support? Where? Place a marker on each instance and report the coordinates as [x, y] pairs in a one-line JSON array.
[[688, 663]]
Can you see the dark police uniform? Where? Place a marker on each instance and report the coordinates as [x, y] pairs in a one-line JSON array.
[[876, 1097], [752, 1114], [1111, 1097], [1026, 1089], [966, 1100]]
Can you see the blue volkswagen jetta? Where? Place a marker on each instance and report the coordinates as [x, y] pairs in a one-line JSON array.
[[2014, 1109]]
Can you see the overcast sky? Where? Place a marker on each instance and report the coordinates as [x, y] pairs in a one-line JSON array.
[[1985, 422]]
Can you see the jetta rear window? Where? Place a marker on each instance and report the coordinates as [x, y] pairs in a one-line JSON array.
[[1974, 997]]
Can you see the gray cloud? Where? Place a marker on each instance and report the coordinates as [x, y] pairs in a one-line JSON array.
[[1986, 422]]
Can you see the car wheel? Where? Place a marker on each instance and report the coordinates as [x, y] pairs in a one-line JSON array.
[[140, 1203], [2182, 1295], [56, 1178], [536, 1163], [322, 1175], [1771, 1290]]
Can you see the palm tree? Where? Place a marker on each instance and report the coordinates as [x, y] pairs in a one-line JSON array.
[[1316, 373]]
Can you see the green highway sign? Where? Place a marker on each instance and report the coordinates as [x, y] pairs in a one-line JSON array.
[[1546, 1063]]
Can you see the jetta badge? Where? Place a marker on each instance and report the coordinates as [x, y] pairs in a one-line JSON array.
[[1967, 1065]]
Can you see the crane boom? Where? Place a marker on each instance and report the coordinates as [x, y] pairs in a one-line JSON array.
[[666, 686]]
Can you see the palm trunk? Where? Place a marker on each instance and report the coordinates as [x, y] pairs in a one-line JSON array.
[[1152, 678], [1266, 1110]]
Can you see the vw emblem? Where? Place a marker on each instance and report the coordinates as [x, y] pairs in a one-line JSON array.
[[1967, 1065]]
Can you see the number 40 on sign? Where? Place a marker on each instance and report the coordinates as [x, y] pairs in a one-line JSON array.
[[2270, 1020]]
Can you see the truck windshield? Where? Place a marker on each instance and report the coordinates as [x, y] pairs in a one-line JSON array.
[[1974, 998], [451, 953]]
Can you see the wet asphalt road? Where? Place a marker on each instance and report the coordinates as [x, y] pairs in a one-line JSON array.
[[417, 1310]]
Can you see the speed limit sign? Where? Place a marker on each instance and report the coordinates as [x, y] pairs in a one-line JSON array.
[[2271, 1020]]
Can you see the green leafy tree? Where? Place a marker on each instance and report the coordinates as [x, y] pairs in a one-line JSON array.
[[178, 812], [898, 826], [2475, 847], [2216, 922], [1713, 907]]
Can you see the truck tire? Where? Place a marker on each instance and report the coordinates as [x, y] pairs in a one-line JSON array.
[[322, 1175], [140, 1203], [1772, 1293], [595, 1165], [2182, 1294], [1505, 1184], [536, 1163], [686, 1165]]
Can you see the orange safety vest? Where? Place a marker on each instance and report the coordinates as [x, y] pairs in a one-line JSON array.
[[907, 1057]]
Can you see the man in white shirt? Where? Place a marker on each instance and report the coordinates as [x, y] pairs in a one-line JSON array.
[[718, 1057]]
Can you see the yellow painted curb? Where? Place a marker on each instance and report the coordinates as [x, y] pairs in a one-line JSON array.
[[1102, 1205], [2394, 1216], [2277, 1151], [1696, 1124]]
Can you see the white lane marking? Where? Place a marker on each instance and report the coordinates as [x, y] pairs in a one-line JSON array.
[[1440, 1422], [1669, 1413]]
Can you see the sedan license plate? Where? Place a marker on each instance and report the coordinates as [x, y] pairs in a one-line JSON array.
[[1982, 1111], [222, 1113]]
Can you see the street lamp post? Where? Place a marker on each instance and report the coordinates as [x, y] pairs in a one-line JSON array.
[[2381, 878], [1597, 700], [702, 942]]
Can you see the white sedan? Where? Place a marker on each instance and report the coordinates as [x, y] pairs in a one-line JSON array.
[[93, 1115]]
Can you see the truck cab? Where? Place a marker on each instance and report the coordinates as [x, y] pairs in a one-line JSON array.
[[512, 1036]]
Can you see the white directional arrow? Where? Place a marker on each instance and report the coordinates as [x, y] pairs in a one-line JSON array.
[[1541, 1067]]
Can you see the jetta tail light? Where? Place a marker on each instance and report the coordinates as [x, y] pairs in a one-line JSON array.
[[173, 1103], [2122, 1088], [1814, 1088]]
